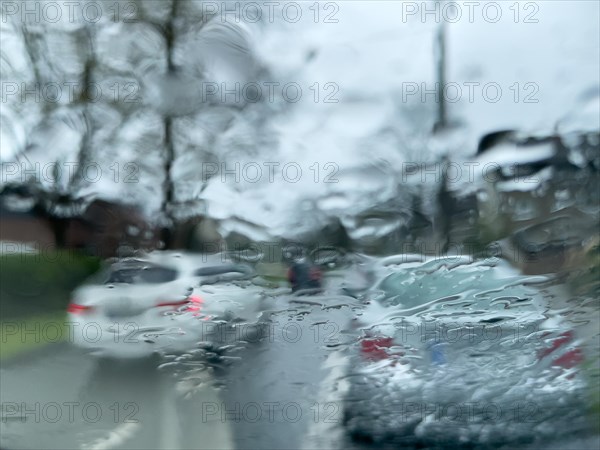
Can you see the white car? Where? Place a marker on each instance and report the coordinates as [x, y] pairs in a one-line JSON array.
[[163, 302], [441, 335]]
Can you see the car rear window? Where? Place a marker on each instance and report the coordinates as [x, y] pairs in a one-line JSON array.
[[222, 269], [141, 275]]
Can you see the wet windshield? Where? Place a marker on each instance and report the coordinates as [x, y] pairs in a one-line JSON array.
[[299, 225]]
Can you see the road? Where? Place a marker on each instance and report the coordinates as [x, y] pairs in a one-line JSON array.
[[265, 393], [280, 390]]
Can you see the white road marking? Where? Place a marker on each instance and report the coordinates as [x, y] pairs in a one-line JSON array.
[[323, 433], [115, 437]]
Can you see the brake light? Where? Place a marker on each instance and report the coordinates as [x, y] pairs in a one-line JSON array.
[[194, 303], [570, 359], [567, 360], [375, 348], [74, 308], [179, 303]]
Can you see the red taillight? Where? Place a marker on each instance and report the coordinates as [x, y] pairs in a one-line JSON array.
[[376, 349], [196, 299], [179, 303], [194, 303], [558, 342], [74, 308], [567, 360], [570, 359]]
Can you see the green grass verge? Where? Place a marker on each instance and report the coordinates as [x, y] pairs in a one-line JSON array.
[[22, 335], [40, 284], [35, 290]]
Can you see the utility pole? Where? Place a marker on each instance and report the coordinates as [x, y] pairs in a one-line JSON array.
[[440, 62]]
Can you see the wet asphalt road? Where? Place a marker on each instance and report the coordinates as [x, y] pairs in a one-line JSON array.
[[281, 391], [266, 393], [276, 396]]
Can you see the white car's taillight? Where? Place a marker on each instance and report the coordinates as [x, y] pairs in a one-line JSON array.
[[74, 308], [193, 303]]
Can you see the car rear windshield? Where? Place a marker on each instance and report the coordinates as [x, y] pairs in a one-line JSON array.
[[222, 269], [146, 274]]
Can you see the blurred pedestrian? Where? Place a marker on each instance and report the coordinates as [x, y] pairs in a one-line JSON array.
[[303, 275]]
